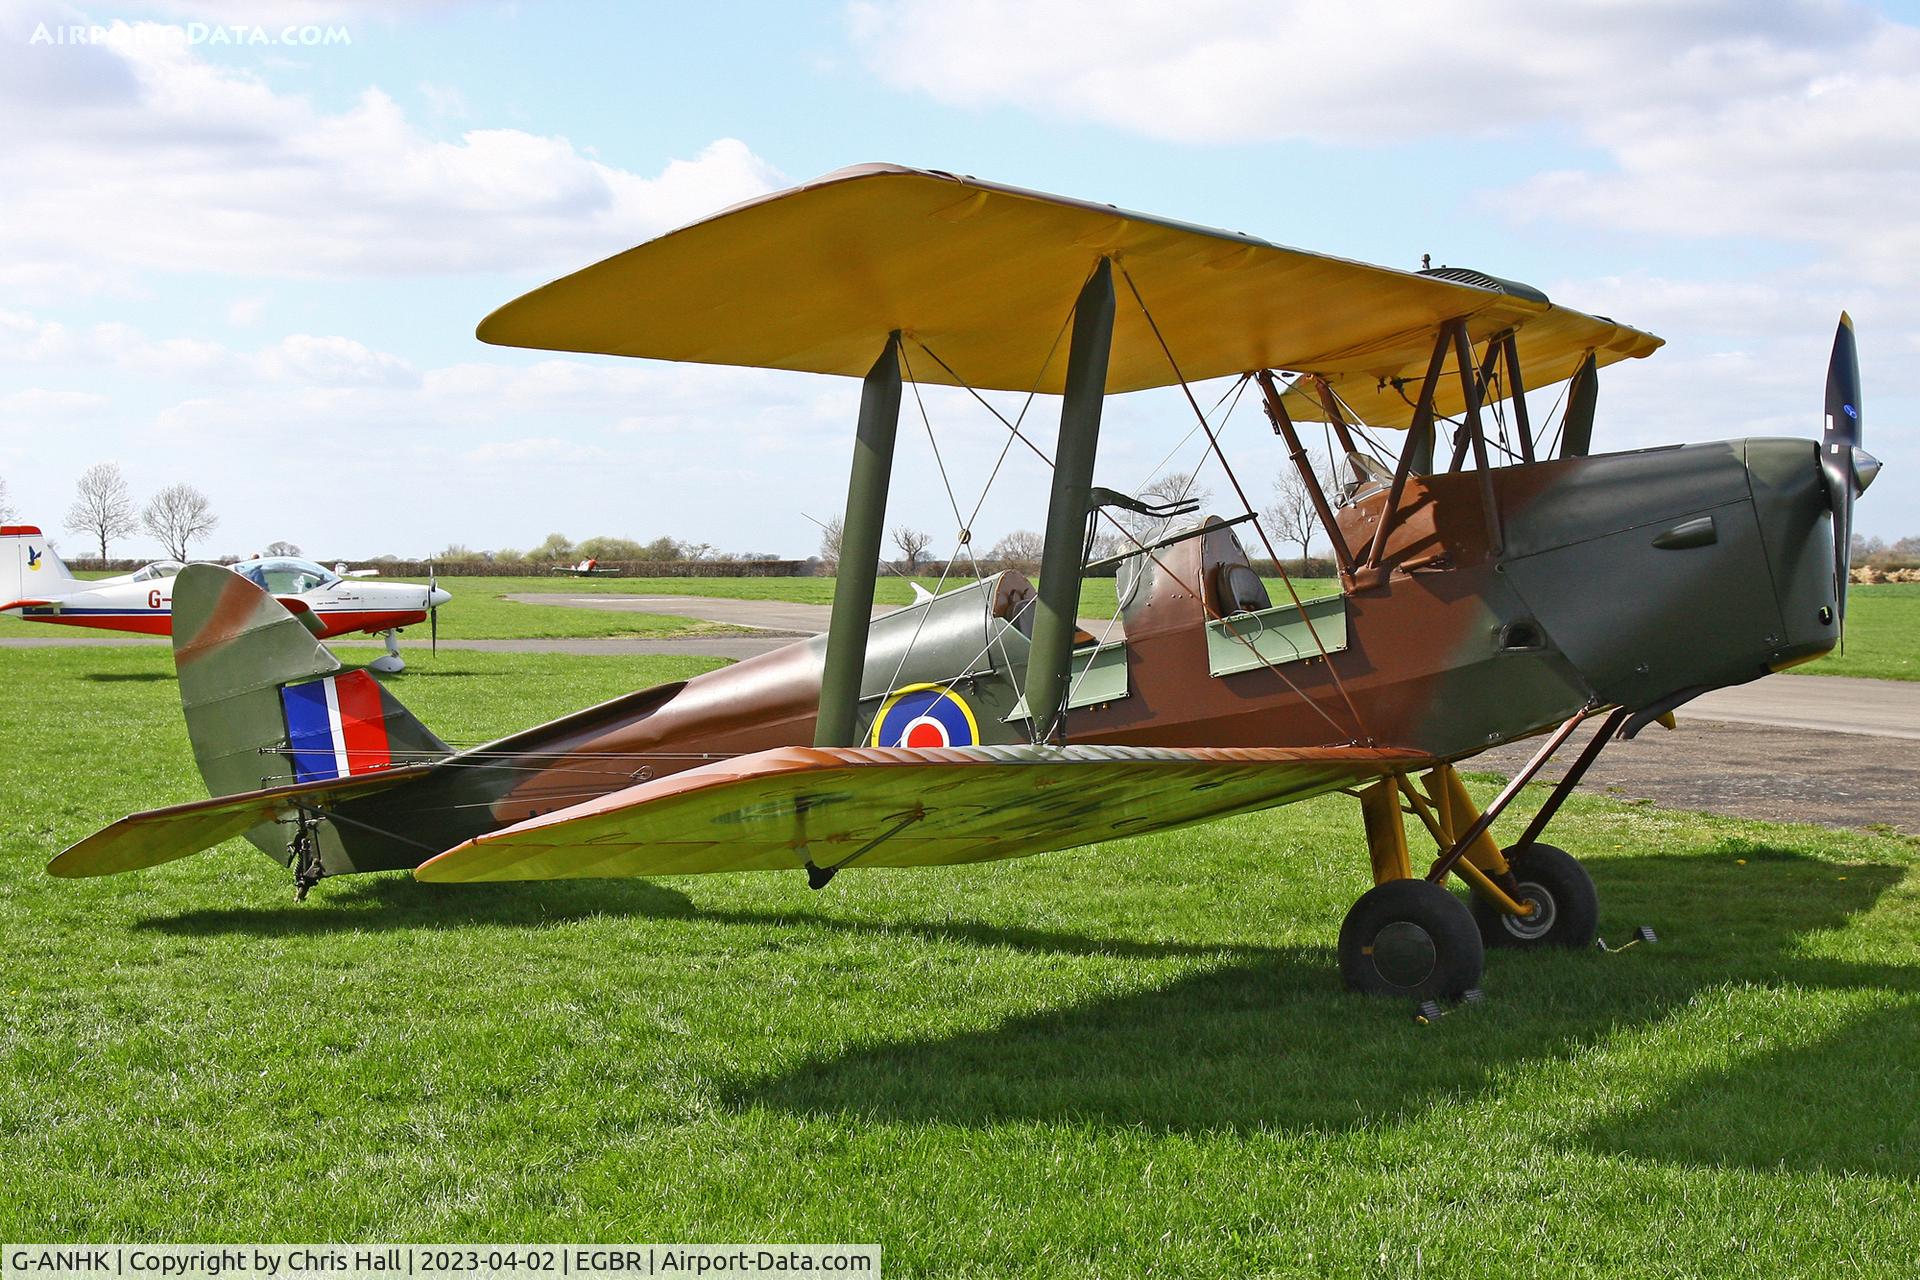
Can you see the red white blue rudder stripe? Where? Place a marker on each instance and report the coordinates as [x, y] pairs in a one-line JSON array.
[[925, 715], [336, 727]]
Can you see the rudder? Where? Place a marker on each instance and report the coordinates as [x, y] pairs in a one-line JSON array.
[[29, 566]]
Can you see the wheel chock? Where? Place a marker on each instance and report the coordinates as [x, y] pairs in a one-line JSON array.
[[1428, 1012], [1642, 934]]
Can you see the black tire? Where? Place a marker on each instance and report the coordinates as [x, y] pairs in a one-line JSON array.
[[1410, 938], [1567, 906]]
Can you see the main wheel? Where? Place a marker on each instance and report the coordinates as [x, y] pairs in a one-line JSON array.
[[1410, 938], [1566, 906]]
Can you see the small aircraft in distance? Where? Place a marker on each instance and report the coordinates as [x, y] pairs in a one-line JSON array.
[[588, 568], [37, 586], [1497, 581]]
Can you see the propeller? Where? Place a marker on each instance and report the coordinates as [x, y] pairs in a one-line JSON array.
[[433, 610], [1848, 468]]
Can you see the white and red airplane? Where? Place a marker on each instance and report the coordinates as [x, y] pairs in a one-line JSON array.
[[36, 585], [588, 568]]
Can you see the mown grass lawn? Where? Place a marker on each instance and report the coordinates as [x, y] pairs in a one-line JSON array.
[[1883, 620], [1125, 1061]]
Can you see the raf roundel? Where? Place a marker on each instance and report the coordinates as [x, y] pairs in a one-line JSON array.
[[925, 715]]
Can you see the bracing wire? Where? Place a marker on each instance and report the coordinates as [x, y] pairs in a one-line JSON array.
[[1272, 555]]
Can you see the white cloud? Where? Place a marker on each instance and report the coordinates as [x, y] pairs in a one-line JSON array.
[[540, 450], [39, 404], [299, 359], [139, 153], [244, 313], [1216, 71]]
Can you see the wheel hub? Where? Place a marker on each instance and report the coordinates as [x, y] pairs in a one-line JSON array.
[[1536, 925], [1404, 954]]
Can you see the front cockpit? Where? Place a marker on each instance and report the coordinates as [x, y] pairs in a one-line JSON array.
[[286, 576], [157, 570]]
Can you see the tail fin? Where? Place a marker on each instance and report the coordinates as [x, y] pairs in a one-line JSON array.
[[280, 735], [264, 706], [29, 567]]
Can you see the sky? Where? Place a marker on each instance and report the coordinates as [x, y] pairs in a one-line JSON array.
[[245, 245]]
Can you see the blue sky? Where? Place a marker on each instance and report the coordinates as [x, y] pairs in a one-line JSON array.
[[257, 266]]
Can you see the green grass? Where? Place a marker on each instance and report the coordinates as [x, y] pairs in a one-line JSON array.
[[1883, 620], [1883, 634], [1127, 1061]]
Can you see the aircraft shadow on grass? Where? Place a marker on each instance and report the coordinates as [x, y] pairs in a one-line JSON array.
[[402, 904], [1266, 1039]]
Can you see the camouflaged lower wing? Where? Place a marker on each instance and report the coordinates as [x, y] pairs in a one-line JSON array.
[[816, 807]]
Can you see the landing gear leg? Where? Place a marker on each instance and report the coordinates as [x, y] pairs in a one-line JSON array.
[[390, 661], [1529, 894]]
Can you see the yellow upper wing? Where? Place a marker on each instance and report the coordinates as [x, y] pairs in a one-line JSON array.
[[895, 807], [814, 278]]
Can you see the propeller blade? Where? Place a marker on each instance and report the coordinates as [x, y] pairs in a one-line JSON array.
[[433, 611], [1839, 445]]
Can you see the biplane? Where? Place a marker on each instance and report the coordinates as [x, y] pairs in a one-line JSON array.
[[37, 586], [1498, 580]]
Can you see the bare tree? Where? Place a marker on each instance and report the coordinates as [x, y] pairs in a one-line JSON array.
[[178, 516], [282, 548], [1179, 486], [7, 514], [1020, 549], [1292, 516], [832, 533], [102, 506], [913, 545]]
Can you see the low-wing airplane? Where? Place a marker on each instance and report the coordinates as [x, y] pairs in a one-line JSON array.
[[1497, 581], [588, 568], [37, 586]]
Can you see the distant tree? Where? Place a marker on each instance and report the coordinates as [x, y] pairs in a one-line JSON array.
[[507, 555], [1292, 517], [7, 514], [662, 549], [457, 553], [1179, 486], [1020, 549], [831, 535], [282, 548], [913, 545], [102, 506], [700, 551], [179, 515], [557, 547], [1864, 549], [610, 548]]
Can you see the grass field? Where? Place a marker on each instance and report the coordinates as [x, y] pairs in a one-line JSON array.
[[1127, 1061], [1883, 620]]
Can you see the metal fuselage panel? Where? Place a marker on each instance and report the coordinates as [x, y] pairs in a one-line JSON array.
[[1597, 583]]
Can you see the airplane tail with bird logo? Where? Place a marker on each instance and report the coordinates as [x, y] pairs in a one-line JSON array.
[[29, 566]]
